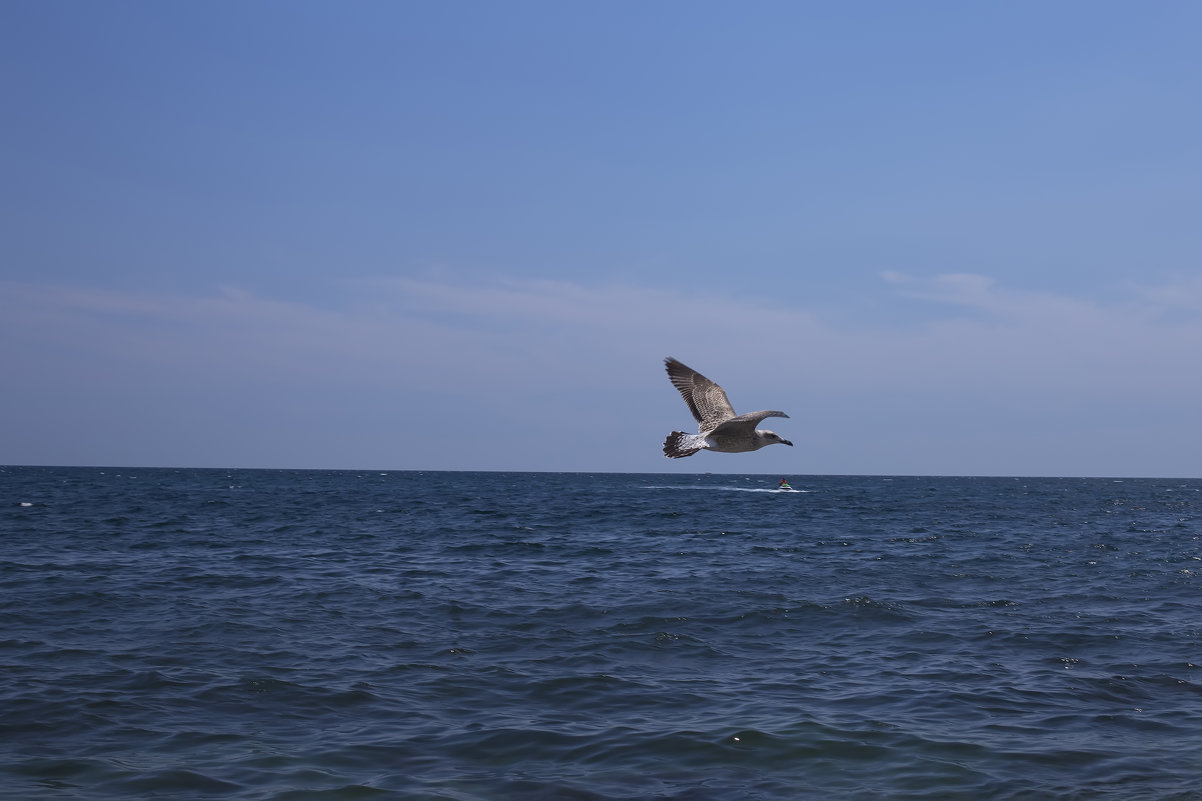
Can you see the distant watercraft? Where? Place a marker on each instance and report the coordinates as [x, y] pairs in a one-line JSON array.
[[784, 487]]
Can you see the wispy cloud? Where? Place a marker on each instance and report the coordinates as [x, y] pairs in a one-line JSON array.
[[511, 362]]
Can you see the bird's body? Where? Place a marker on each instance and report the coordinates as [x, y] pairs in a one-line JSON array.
[[718, 427]]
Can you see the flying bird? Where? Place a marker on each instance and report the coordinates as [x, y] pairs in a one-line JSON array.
[[718, 427]]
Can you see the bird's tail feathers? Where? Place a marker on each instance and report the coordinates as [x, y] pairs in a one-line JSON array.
[[679, 444]]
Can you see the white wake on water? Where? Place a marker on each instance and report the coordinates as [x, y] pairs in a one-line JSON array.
[[770, 490]]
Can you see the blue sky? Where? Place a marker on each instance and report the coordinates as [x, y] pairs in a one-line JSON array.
[[945, 237]]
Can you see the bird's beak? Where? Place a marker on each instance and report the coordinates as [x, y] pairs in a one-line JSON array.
[[786, 442]]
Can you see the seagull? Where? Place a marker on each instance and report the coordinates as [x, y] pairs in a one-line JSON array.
[[718, 427]]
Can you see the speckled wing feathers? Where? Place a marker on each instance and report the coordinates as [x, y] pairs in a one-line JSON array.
[[706, 400], [744, 423]]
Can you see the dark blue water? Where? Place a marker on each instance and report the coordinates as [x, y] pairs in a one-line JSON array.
[[250, 634]]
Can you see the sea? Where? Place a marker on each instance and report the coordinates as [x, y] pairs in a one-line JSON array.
[[289, 635]]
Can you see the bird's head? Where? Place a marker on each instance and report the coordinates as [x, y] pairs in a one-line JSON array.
[[771, 437]]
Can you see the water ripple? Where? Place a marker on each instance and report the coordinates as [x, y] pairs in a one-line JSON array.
[[262, 635]]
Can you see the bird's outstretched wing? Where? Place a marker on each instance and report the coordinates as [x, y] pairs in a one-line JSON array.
[[744, 423], [706, 400]]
